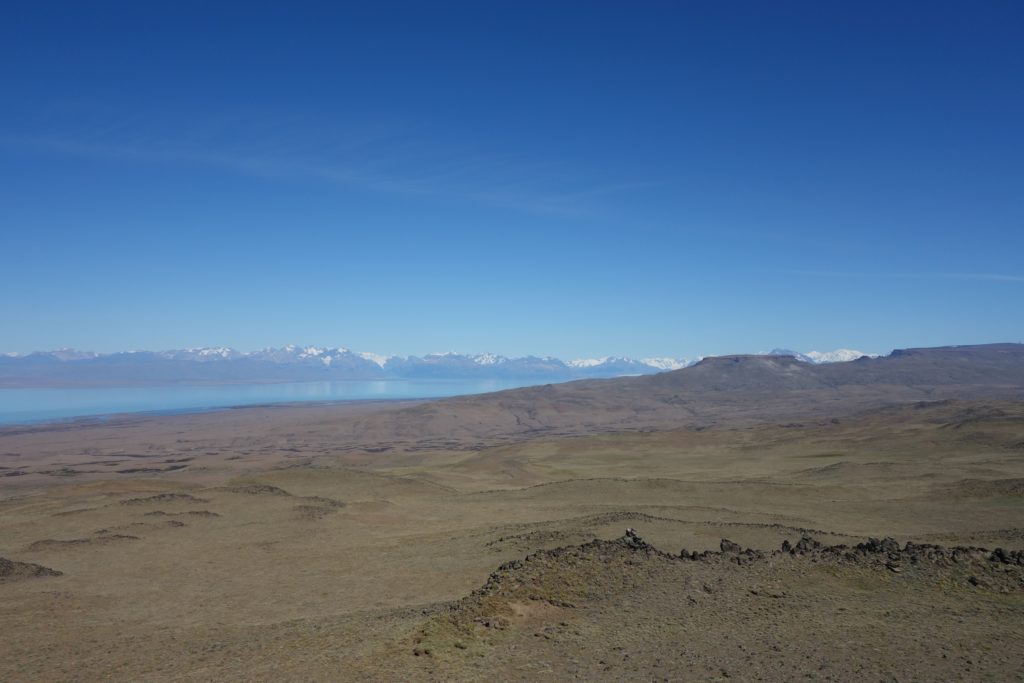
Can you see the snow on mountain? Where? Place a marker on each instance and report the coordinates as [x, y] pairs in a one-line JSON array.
[[644, 364], [316, 351], [465, 364], [598, 362], [837, 356], [218, 352], [63, 355], [666, 363], [819, 357], [374, 357], [203, 353], [587, 362], [310, 362], [488, 359]]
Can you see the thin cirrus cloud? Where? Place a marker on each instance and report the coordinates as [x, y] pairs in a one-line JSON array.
[[512, 185], [996, 277], [989, 277]]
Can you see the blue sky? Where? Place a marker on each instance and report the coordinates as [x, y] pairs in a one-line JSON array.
[[664, 179]]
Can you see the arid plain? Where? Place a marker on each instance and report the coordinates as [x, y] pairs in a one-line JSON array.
[[364, 541]]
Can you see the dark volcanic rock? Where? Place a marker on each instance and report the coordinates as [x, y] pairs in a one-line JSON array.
[[611, 610], [632, 540], [727, 546], [165, 498], [1008, 557], [56, 544], [255, 490], [12, 570], [886, 545], [805, 545]]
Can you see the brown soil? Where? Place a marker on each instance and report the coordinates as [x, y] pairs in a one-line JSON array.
[[371, 567]]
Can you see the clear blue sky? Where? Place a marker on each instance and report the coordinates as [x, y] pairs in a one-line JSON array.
[[551, 178]]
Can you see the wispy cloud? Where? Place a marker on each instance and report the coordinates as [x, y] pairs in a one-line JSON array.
[[881, 275], [996, 277], [384, 162]]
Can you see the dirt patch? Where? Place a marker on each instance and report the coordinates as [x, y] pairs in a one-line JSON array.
[[523, 613]]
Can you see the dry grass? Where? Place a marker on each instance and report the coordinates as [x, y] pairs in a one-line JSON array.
[[304, 556]]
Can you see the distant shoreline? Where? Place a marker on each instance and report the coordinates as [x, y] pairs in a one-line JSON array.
[[184, 383], [116, 418], [42, 405]]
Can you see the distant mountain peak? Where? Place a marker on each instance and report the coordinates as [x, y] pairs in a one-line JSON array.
[[489, 359], [819, 357], [311, 362], [665, 363], [374, 358], [306, 362], [588, 362]]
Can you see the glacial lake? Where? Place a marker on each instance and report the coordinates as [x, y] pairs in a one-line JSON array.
[[22, 406]]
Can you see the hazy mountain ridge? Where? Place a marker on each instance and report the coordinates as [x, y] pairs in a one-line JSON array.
[[69, 367], [734, 390]]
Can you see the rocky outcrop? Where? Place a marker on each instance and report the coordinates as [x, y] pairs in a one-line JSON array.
[[887, 550], [165, 498], [727, 546], [556, 586], [254, 490], [11, 570], [1001, 556], [560, 576], [60, 544]]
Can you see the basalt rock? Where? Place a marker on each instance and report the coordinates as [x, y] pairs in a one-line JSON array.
[[805, 545], [727, 546], [1007, 556], [633, 540], [886, 545], [12, 570]]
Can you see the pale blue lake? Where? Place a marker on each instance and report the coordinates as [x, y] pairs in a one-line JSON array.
[[19, 406]]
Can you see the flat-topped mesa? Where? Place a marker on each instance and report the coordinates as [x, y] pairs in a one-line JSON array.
[[992, 365]]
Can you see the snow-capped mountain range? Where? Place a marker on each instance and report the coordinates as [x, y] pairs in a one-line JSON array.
[[69, 367], [819, 357]]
